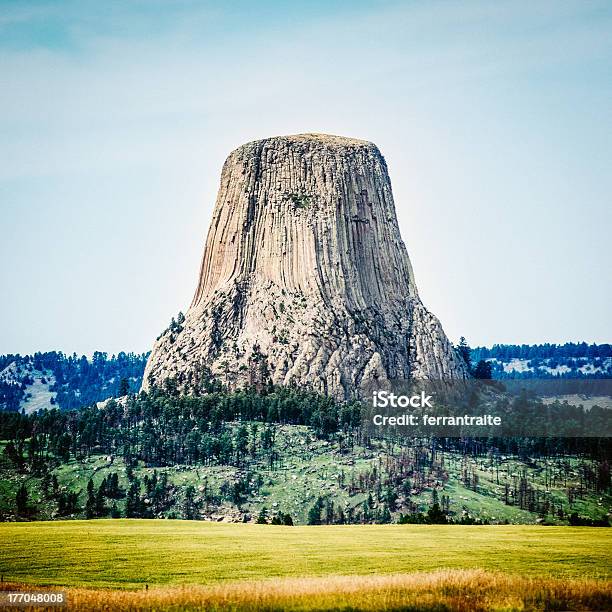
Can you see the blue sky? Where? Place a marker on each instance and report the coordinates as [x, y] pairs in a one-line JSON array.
[[115, 118]]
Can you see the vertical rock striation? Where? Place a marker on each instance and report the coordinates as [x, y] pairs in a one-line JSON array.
[[305, 278]]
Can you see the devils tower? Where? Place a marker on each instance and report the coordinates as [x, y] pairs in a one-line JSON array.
[[305, 279]]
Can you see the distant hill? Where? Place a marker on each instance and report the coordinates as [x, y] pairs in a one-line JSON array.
[[572, 360], [44, 380]]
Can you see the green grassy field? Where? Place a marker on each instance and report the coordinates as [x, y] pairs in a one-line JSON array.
[[124, 554]]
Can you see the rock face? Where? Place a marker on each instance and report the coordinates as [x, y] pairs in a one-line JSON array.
[[305, 279]]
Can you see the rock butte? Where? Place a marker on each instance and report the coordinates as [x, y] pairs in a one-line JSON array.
[[305, 279]]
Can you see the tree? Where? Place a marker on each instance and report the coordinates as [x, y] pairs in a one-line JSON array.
[[314, 514], [465, 351], [124, 387], [226, 448], [483, 370], [132, 503], [68, 503], [237, 491], [242, 443], [189, 504], [367, 514], [91, 503], [63, 447], [193, 441], [329, 512], [385, 515], [45, 483], [100, 505], [262, 519], [603, 476], [15, 454], [22, 499], [391, 498], [112, 486], [435, 515]]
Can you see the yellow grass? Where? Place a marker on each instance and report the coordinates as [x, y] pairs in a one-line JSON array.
[[447, 590], [193, 565], [131, 553]]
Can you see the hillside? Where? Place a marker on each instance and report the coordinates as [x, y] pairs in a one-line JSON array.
[[244, 456], [46, 380], [567, 361], [247, 457]]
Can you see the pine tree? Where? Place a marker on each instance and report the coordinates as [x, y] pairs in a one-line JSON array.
[[262, 519], [124, 387], [90, 504], [242, 443], [100, 506], [483, 370], [21, 499], [189, 505], [465, 352], [385, 515], [367, 515], [63, 447], [314, 514], [45, 483], [391, 498], [54, 484], [112, 486], [132, 502], [329, 512], [435, 515]]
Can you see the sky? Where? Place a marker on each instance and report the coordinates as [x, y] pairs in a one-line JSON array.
[[115, 118]]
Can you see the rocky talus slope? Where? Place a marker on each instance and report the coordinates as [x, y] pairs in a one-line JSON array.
[[305, 278]]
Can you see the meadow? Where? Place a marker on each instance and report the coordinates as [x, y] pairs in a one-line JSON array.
[[189, 564]]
